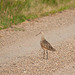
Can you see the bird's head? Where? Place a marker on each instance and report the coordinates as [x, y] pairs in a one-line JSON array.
[[42, 35]]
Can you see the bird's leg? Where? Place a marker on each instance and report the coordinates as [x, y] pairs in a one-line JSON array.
[[44, 54], [47, 53]]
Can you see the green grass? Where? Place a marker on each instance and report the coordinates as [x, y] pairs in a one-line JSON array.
[[19, 29], [17, 11]]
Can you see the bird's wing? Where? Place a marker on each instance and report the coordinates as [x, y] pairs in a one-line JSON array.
[[46, 45]]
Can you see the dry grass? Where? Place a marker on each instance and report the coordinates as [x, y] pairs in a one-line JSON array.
[[17, 11]]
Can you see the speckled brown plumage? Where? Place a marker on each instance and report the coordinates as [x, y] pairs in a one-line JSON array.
[[45, 45]]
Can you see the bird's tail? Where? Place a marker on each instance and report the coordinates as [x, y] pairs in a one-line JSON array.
[[53, 49]]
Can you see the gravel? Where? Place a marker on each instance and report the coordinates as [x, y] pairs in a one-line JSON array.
[[20, 52]]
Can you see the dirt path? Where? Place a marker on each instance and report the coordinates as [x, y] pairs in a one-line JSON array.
[[20, 51], [26, 46]]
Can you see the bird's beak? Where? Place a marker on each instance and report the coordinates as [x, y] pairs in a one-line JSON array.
[[38, 34]]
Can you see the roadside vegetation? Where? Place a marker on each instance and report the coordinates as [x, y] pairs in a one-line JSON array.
[[17, 11]]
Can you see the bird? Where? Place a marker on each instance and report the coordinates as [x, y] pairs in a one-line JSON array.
[[46, 46]]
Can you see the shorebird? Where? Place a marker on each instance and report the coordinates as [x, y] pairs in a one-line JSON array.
[[45, 45]]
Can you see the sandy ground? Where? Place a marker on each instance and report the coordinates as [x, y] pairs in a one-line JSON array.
[[20, 51]]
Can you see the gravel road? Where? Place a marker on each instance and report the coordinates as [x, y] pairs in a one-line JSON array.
[[20, 51]]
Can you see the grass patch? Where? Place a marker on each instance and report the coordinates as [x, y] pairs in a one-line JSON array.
[[17, 11], [19, 29], [31, 16], [18, 19]]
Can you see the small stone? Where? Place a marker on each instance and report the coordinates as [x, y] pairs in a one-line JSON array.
[[25, 71], [0, 66]]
